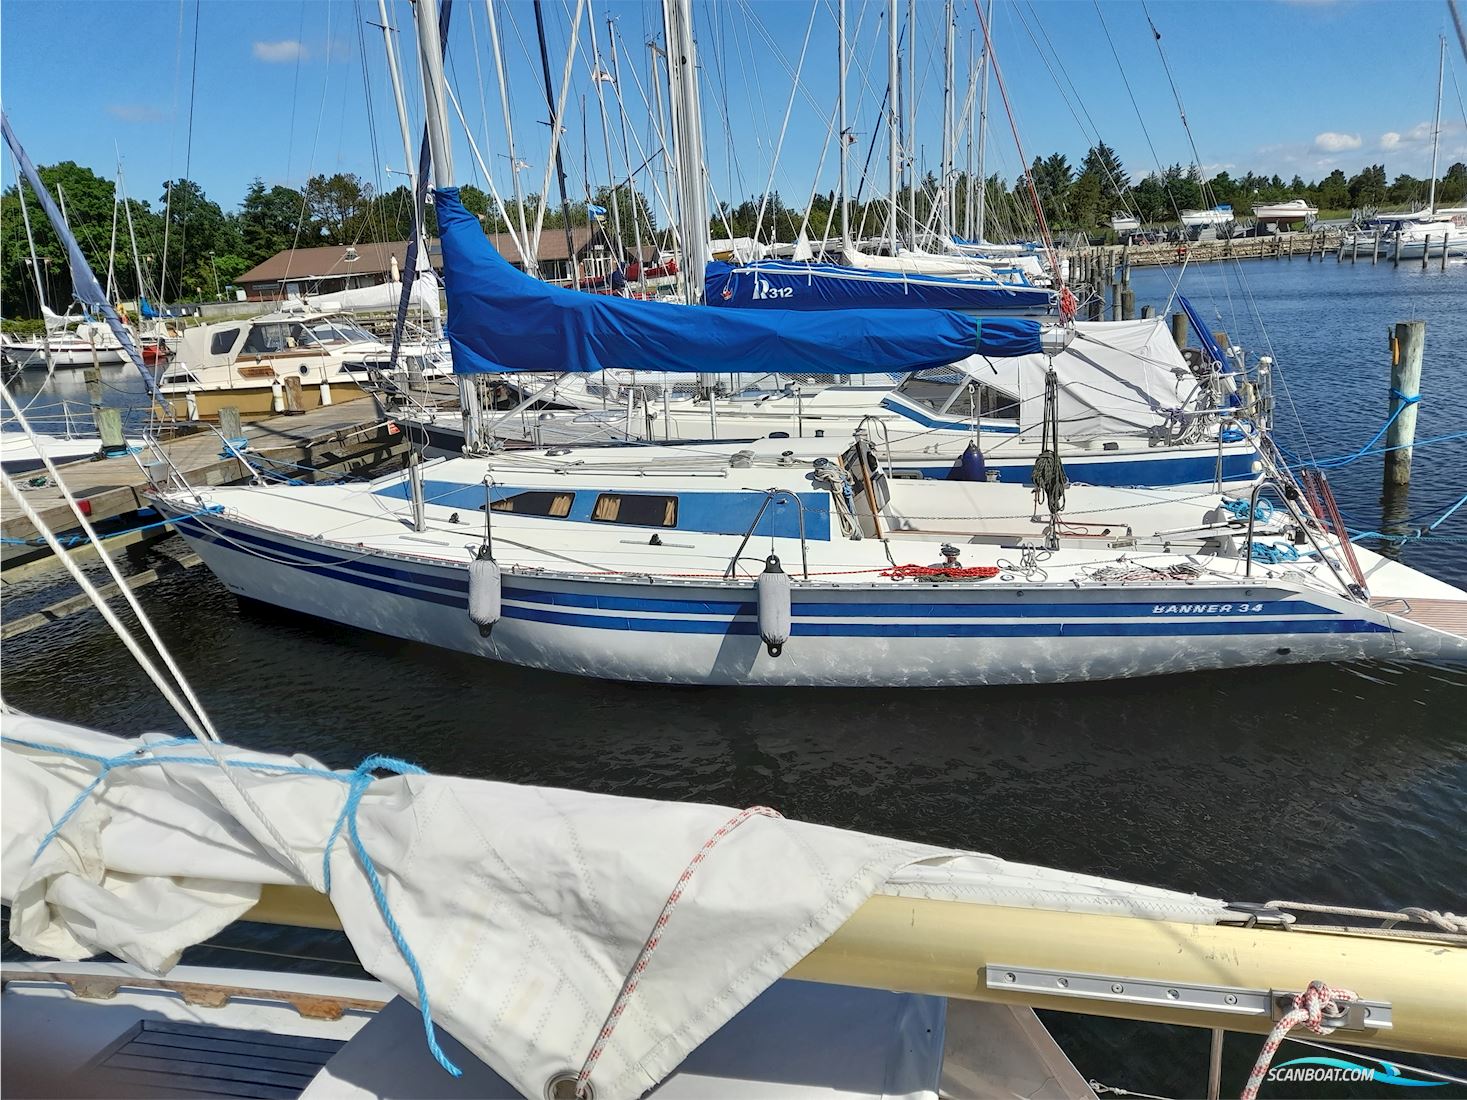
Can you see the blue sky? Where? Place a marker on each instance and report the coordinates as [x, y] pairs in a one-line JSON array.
[[281, 89]]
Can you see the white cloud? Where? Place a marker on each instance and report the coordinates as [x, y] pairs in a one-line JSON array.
[[1390, 139], [1331, 142], [135, 112], [287, 49]]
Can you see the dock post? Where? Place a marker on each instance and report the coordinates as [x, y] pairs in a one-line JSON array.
[[1354, 246], [294, 400], [1426, 249], [229, 423], [1375, 248], [1446, 240], [1291, 246], [1340, 252], [109, 427], [1179, 330], [1396, 251], [1408, 341], [1128, 301], [1148, 312]]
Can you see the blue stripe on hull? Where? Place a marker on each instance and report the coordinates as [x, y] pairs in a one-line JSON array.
[[1147, 623], [1145, 629], [1128, 473]]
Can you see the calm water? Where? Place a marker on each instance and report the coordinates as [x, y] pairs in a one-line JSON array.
[[1337, 783]]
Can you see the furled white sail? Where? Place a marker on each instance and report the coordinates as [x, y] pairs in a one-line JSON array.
[[526, 908]]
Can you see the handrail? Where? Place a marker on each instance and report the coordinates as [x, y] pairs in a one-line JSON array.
[[769, 496]]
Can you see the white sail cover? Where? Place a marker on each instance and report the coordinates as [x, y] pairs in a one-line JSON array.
[[525, 907], [1116, 377], [383, 298]]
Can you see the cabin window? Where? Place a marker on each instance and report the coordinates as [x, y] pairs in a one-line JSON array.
[[223, 341], [557, 505], [639, 510], [268, 339]]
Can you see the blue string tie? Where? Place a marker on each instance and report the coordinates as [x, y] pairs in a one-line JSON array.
[[357, 780]]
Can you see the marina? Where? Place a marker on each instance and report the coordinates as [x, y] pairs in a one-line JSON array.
[[972, 635]]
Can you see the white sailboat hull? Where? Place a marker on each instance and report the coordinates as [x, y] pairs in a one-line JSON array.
[[847, 635]]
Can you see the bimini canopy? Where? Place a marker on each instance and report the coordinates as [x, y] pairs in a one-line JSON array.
[[1117, 377], [782, 284], [500, 319]]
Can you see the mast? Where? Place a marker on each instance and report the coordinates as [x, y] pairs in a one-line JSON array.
[[840, 64], [893, 80], [664, 128], [626, 156], [601, 76], [440, 147], [910, 142], [1436, 133], [112, 247], [972, 123], [530, 259], [410, 162], [983, 127], [555, 112], [945, 184], [687, 142], [137, 263]]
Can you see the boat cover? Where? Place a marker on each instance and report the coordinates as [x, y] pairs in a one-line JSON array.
[[784, 284], [500, 319], [1116, 377], [525, 907]]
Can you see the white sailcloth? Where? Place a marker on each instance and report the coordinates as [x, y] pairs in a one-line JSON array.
[[526, 908]]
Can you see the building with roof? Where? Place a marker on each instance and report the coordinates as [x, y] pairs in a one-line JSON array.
[[328, 269]]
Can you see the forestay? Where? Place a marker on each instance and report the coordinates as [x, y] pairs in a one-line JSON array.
[[500, 319], [526, 908]]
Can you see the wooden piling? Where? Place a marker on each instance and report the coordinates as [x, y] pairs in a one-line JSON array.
[[295, 402], [109, 427], [1407, 344], [1446, 242], [1115, 299], [1128, 302], [229, 424], [1396, 251], [1148, 312], [1179, 330], [1354, 246], [1375, 248], [1426, 249]]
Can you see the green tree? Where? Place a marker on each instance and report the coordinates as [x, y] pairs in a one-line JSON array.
[[1453, 186], [1333, 192], [1368, 187], [269, 220], [1101, 162], [339, 208]]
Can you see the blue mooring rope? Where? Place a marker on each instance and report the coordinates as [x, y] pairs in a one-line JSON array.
[[79, 540], [358, 780]]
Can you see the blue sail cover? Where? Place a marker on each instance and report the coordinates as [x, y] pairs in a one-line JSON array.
[[500, 319], [785, 284], [1204, 336]]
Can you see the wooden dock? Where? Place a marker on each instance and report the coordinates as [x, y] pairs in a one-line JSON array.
[[347, 438]]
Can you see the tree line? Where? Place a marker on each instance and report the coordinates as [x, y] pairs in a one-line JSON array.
[[208, 247]]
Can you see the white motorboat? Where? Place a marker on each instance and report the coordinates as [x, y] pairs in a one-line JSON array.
[[247, 363], [1294, 210], [70, 343], [1125, 223]]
